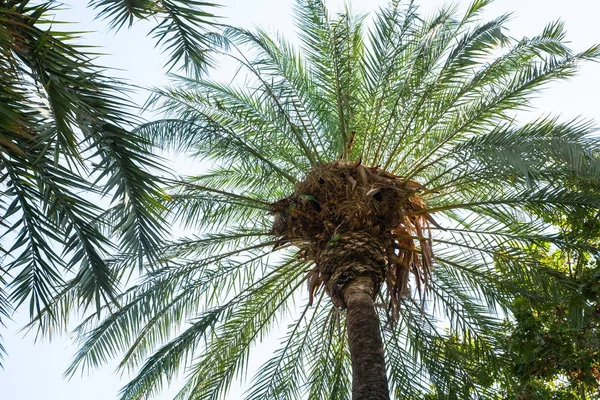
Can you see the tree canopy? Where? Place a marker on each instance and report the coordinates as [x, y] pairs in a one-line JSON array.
[[432, 101]]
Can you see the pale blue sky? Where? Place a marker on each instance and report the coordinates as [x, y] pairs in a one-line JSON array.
[[34, 371]]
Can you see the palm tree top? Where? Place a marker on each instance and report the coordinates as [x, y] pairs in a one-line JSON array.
[[345, 204], [425, 108]]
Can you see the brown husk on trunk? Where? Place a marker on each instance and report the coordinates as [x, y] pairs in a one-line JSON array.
[[344, 208]]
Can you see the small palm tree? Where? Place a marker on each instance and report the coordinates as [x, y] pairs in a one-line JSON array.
[[388, 175], [65, 142]]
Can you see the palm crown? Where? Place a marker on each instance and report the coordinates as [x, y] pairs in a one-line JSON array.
[[425, 108]]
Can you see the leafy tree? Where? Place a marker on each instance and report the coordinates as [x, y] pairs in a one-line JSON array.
[[65, 142], [550, 348], [553, 344], [384, 171]]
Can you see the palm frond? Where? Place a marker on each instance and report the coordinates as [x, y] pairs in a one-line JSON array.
[[182, 27], [184, 288], [333, 49], [64, 125], [328, 366], [228, 351]]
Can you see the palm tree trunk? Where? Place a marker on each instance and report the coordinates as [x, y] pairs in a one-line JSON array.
[[369, 379]]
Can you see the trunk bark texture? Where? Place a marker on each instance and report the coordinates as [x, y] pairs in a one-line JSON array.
[[369, 378], [354, 268]]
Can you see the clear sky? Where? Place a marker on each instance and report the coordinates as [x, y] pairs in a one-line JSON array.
[[34, 371]]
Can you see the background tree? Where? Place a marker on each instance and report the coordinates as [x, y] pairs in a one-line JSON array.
[[420, 120], [550, 347], [553, 344], [65, 142]]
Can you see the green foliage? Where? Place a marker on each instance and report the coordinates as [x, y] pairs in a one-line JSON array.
[[554, 342], [75, 179], [66, 147], [182, 27], [549, 348], [554, 349], [430, 99]]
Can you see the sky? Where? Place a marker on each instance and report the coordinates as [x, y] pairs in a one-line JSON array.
[[34, 371]]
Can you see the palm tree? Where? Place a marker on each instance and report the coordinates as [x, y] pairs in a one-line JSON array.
[[65, 142], [388, 173]]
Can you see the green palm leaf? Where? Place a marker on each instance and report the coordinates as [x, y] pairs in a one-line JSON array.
[[181, 29], [66, 143]]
